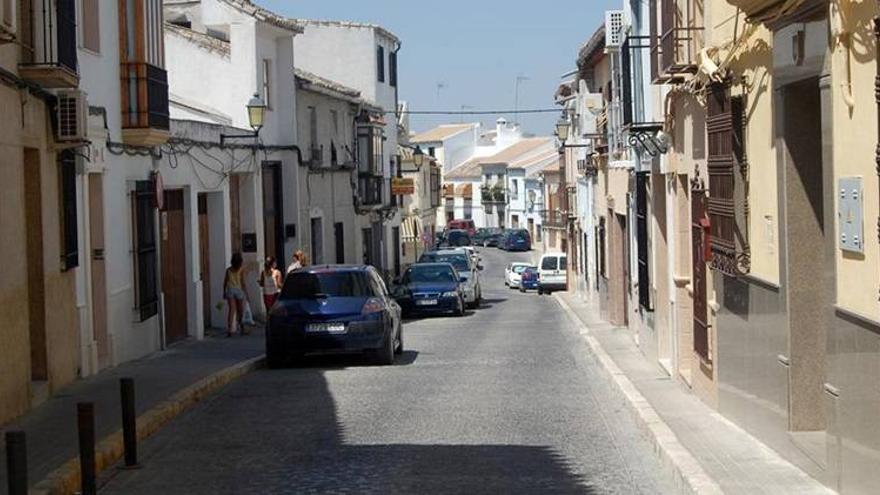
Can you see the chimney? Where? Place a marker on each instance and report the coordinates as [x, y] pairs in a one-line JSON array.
[[500, 126]]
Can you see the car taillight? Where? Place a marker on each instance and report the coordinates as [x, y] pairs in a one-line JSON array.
[[373, 305]]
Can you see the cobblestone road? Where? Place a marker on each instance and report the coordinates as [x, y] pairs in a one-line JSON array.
[[505, 400]]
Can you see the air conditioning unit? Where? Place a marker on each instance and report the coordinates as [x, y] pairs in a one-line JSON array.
[[614, 29], [72, 116]]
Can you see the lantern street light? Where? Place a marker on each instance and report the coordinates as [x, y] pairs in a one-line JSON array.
[[563, 129], [418, 157], [256, 110], [256, 113]]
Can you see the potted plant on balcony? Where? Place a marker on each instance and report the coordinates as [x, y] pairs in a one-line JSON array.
[[498, 193], [486, 193]]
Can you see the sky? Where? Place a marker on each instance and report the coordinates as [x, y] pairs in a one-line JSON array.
[[468, 54]]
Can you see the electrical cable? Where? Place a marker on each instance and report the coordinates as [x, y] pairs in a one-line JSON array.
[[472, 112]]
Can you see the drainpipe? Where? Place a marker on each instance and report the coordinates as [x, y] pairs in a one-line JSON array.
[[839, 10]]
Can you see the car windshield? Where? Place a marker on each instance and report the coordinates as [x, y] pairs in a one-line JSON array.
[[458, 260], [429, 274], [519, 268], [307, 285]]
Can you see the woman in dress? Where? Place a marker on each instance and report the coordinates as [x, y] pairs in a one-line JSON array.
[[270, 281]]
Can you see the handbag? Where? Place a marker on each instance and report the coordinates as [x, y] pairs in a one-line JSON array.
[[247, 316]]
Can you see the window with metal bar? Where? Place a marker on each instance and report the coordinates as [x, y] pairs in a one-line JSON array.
[[69, 228], [145, 253]]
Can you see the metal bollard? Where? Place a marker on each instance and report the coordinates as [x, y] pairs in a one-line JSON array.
[[16, 463], [129, 422], [85, 420]]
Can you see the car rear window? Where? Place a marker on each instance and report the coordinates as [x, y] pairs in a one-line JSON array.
[[519, 268], [458, 239], [429, 274], [330, 284], [459, 261], [549, 263], [563, 262]]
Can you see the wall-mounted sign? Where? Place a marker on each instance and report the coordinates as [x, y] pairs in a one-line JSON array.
[[249, 243], [403, 186]]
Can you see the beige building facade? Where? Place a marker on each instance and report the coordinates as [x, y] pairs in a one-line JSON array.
[[40, 333]]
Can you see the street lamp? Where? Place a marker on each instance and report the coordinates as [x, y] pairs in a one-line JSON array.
[[418, 157], [256, 109], [256, 113], [563, 128]]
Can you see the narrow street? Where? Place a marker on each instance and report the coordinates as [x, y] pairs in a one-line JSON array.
[[504, 400]]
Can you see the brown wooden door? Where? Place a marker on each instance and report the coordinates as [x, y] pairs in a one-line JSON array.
[[698, 253], [273, 220], [174, 267], [98, 269], [204, 259]]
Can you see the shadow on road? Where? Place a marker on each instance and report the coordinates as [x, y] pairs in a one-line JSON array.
[[280, 432]]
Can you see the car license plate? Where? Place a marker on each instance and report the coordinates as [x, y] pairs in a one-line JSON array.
[[326, 328], [427, 302]]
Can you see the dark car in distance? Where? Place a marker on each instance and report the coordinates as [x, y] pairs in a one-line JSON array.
[[454, 239], [430, 288], [516, 240], [334, 309], [487, 236]]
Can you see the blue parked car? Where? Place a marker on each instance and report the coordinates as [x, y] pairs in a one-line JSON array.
[[517, 240], [431, 288], [334, 309], [528, 279]]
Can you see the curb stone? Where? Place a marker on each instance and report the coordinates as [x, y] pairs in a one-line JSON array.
[[688, 475], [65, 479]]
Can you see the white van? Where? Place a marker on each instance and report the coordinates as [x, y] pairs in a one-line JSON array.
[[552, 273]]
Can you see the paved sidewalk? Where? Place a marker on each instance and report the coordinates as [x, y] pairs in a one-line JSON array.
[[51, 427], [729, 456]]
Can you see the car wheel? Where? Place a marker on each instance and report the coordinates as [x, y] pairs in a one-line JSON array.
[[522, 290], [385, 355], [540, 291], [459, 311], [399, 349]]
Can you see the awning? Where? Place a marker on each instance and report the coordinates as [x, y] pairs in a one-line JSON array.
[[412, 229], [778, 12]]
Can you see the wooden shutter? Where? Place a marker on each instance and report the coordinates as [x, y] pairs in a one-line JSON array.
[[380, 63], [91, 25], [392, 68], [642, 239], [69, 227], [721, 201], [626, 82], [145, 249]]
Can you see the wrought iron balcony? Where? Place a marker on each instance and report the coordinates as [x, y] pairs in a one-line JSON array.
[[553, 219], [145, 119], [675, 45], [48, 32]]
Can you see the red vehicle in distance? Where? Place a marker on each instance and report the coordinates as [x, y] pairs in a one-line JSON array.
[[467, 225]]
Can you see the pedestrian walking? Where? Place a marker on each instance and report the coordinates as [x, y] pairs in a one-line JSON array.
[[299, 261], [270, 281], [233, 292]]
